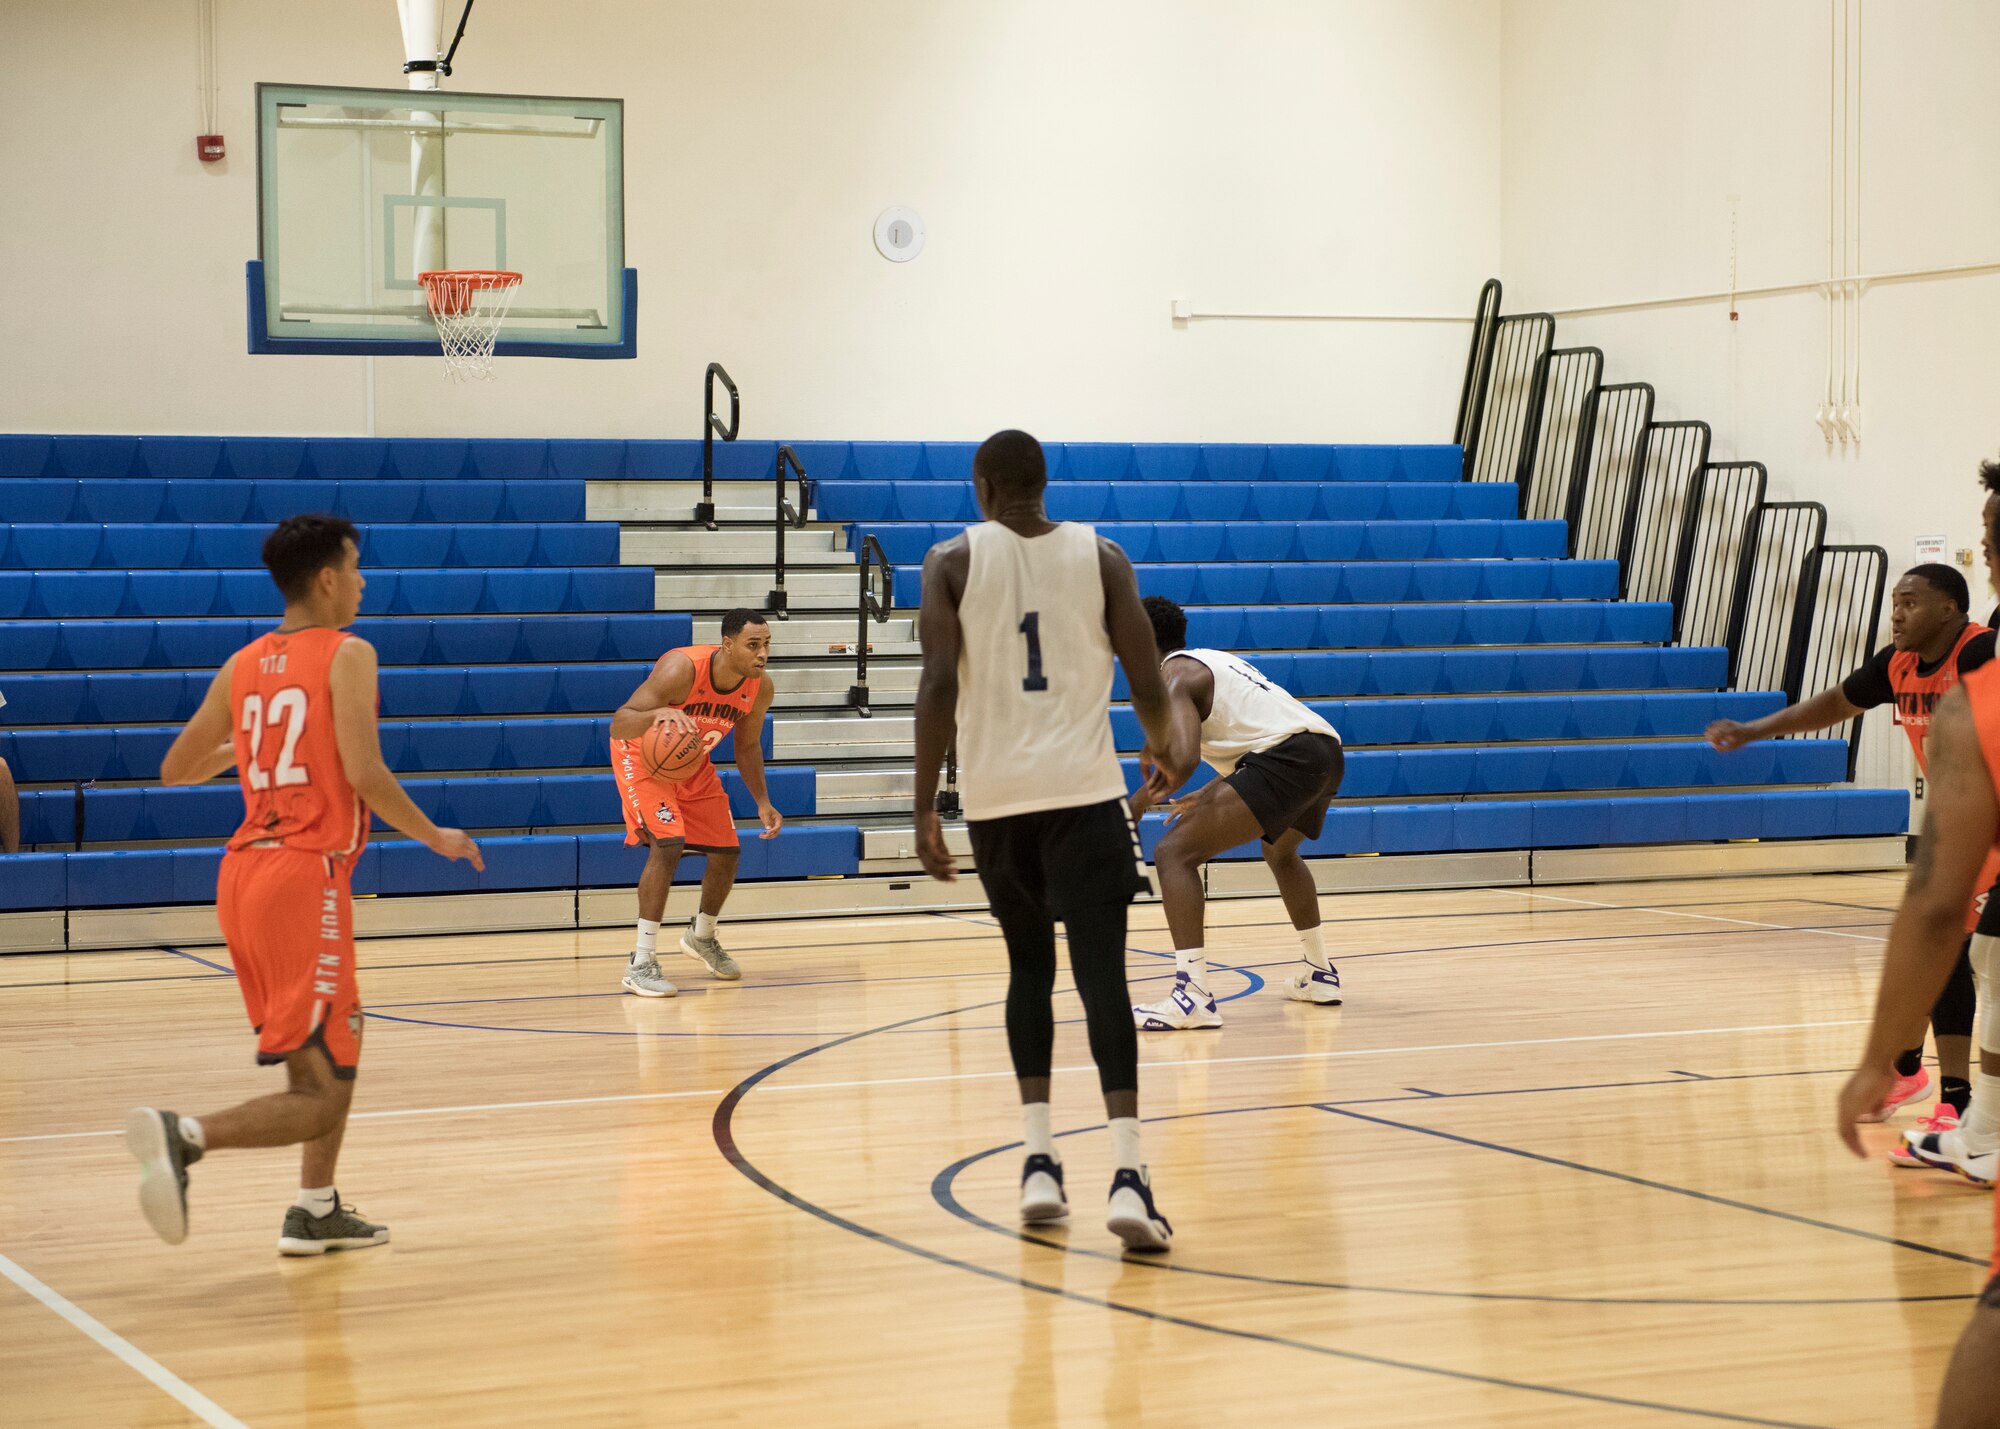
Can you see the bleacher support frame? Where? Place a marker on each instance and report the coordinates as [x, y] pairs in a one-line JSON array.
[[1753, 575]]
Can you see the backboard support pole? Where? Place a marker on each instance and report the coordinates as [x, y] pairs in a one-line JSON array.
[[422, 31]]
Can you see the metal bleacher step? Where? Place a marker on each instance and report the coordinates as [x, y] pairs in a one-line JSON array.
[[736, 502], [691, 545], [816, 636], [812, 686], [806, 590]]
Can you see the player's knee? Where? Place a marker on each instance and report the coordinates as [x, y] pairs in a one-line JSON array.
[[665, 850], [726, 856], [1177, 849]]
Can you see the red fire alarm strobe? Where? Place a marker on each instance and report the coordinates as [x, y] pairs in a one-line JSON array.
[[209, 147]]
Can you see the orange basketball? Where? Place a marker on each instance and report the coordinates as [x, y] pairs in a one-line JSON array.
[[671, 755]]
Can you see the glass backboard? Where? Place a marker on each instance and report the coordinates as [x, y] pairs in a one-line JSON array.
[[360, 190]]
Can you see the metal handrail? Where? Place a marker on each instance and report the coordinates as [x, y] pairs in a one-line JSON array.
[[785, 514], [868, 604], [1478, 369], [704, 510]]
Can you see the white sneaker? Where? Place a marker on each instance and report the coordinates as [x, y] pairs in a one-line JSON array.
[[1042, 1196], [1132, 1216], [1189, 1005], [1947, 1151], [646, 979], [1316, 985]]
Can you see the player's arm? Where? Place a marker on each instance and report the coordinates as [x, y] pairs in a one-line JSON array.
[[1190, 686], [206, 746], [351, 681], [1132, 641], [1822, 711], [750, 760], [1961, 820], [658, 700], [946, 567]]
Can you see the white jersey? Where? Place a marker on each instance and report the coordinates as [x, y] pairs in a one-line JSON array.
[[1034, 675], [1249, 714]]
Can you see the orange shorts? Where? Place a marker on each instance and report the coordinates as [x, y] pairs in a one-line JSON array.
[[695, 811], [288, 917]]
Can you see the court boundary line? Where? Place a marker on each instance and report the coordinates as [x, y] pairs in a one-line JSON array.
[[944, 1191], [723, 1130], [1630, 1179], [95, 1330]]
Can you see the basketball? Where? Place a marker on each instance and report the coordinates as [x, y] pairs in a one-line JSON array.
[[672, 755]]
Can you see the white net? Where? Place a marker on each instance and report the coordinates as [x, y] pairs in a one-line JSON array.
[[468, 307]]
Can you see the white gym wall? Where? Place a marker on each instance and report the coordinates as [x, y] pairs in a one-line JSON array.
[[1629, 130], [1077, 166]]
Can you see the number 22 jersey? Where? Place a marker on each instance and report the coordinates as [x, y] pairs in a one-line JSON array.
[[295, 791], [1034, 674]]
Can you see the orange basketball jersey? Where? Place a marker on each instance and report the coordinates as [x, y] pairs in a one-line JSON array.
[[715, 712], [295, 792], [1917, 695]]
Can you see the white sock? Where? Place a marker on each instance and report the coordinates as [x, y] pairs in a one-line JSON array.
[[1980, 1125], [1314, 947], [704, 925], [648, 943], [1193, 962], [1125, 1143], [1035, 1129], [192, 1133], [320, 1202]]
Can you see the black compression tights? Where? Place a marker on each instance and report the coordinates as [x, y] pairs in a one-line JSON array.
[[1952, 1014], [1097, 960]]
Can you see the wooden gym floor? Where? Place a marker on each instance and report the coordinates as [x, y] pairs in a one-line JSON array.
[[1565, 1159]]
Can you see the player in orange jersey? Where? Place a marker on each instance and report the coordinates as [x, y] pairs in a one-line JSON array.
[[1961, 831], [1933, 645], [717, 690], [294, 714]]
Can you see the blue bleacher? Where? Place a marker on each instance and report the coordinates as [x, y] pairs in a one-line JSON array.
[[1469, 664], [212, 812], [1435, 539], [202, 645], [49, 546], [169, 594]]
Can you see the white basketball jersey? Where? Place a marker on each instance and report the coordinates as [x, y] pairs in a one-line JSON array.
[[1034, 675], [1250, 714]]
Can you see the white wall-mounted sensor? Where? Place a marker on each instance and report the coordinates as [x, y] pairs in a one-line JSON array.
[[899, 234]]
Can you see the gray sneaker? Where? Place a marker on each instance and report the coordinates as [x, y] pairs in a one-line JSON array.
[[154, 1137], [709, 951], [339, 1229], [646, 979]]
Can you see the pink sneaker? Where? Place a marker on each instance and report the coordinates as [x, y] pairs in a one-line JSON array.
[[1943, 1117], [1906, 1090]]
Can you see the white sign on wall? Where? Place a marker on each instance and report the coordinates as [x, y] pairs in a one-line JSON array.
[[1930, 549]]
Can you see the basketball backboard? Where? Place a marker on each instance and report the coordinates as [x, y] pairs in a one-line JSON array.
[[360, 190]]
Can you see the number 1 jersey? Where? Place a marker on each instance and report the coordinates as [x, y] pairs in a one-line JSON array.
[[1034, 675], [295, 791]]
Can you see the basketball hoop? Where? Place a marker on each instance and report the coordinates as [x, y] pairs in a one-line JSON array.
[[468, 305]]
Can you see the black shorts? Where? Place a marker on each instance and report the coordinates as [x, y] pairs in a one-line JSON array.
[[1054, 861], [1289, 785]]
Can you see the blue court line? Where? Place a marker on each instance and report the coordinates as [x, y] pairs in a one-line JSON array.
[[219, 967], [725, 1139], [1710, 1197], [944, 1192]]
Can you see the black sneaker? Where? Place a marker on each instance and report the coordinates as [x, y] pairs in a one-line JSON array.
[[154, 1137], [339, 1229], [1133, 1217], [1042, 1197]]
